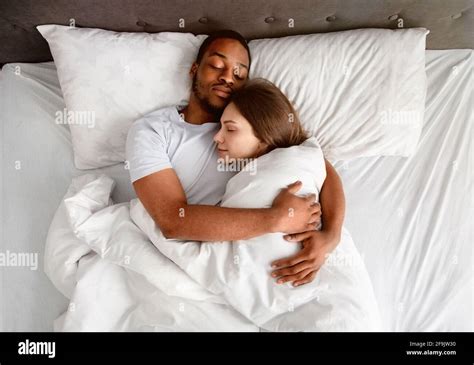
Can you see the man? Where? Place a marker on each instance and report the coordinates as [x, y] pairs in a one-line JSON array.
[[173, 166]]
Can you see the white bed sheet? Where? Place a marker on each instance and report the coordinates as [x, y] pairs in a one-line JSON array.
[[412, 218], [416, 238], [31, 195]]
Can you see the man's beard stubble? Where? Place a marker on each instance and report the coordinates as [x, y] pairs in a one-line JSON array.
[[205, 103]]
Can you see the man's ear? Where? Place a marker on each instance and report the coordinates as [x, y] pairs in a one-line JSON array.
[[193, 70]]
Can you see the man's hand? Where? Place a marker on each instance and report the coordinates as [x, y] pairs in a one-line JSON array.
[[294, 213], [302, 267], [317, 245]]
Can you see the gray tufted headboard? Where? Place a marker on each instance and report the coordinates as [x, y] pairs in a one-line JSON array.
[[451, 22]]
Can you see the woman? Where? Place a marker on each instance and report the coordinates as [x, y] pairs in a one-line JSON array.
[[258, 119]]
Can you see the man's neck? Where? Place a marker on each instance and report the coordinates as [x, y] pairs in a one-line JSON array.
[[195, 114]]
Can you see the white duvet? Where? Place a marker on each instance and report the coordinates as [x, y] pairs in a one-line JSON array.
[[122, 274]]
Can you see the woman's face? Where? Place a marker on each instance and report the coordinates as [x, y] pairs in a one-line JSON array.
[[236, 138]]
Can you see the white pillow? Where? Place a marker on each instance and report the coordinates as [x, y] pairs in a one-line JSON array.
[[360, 92], [110, 79]]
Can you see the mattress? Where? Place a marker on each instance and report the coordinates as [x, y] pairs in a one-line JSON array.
[[411, 218]]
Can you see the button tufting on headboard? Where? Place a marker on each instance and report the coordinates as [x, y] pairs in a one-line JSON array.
[[451, 23]]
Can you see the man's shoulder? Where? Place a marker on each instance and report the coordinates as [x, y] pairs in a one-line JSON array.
[[166, 114], [154, 123], [156, 120]]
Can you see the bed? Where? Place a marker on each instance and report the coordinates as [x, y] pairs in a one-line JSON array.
[[411, 218]]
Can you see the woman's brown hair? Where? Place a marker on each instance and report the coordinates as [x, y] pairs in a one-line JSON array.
[[272, 116]]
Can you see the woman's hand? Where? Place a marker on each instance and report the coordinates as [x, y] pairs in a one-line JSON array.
[[302, 267]]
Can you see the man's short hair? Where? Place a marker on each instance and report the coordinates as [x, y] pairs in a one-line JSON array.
[[224, 33]]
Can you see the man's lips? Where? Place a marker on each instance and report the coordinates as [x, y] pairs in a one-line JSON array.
[[222, 92]]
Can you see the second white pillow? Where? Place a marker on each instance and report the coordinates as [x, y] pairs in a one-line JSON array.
[[360, 92]]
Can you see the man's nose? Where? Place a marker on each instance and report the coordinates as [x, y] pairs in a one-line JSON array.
[[227, 76]]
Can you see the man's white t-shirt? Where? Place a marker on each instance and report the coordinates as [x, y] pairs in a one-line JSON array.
[[163, 139]]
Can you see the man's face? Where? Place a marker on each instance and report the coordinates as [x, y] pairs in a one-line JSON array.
[[223, 69]]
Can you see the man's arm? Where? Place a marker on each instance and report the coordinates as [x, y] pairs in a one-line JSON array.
[[332, 202], [163, 197], [316, 245]]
